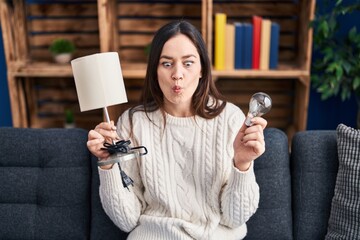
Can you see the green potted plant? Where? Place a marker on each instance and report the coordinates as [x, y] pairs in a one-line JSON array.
[[337, 70], [62, 50], [69, 119]]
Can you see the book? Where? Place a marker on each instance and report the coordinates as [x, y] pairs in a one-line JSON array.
[[265, 44], [229, 46], [256, 20], [274, 45], [219, 56], [239, 45], [248, 45], [243, 45]]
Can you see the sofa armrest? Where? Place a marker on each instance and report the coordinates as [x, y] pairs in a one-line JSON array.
[[102, 228], [314, 165]]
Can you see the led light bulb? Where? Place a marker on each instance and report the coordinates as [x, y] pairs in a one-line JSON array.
[[260, 103]]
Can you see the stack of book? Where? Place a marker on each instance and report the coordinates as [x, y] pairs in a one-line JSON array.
[[246, 45]]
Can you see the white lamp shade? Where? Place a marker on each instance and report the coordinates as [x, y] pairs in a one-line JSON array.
[[99, 80]]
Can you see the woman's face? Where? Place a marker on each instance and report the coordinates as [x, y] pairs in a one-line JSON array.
[[179, 71]]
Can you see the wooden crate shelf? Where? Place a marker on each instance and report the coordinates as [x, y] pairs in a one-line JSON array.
[[127, 27]]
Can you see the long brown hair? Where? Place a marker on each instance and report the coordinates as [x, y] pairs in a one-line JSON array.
[[152, 97]]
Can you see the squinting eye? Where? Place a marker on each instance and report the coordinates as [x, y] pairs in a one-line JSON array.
[[188, 63]]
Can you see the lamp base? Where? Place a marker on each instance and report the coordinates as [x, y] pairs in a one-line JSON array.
[[119, 157]]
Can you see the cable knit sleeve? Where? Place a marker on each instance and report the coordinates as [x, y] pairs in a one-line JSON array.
[[123, 206], [240, 193], [240, 198]]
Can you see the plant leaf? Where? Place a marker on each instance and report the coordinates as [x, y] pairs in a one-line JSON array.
[[356, 83], [346, 66], [338, 2], [352, 34], [331, 68], [328, 54], [339, 72], [324, 29]]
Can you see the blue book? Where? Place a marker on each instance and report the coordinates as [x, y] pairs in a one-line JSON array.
[[238, 45], [274, 45], [248, 45]]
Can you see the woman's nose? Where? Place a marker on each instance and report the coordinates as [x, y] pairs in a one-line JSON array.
[[178, 73]]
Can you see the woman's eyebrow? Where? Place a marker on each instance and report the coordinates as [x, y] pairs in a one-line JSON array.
[[166, 57], [183, 57], [189, 56]]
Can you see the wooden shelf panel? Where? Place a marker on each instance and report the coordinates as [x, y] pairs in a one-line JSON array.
[[47, 69], [40, 69], [260, 73], [284, 71]]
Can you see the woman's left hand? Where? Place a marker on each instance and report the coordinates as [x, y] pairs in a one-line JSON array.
[[249, 143]]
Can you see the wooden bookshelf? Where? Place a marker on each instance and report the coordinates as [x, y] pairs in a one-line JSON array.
[[127, 27], [295, 50]]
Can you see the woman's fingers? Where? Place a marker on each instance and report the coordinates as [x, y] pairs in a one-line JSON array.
[[107, 130], [94, 135], [95, 142], [254, 135], [257, 146], [96, 138], [106, 126], [259, 121]]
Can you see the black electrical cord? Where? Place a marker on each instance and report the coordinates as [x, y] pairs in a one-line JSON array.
[[122, 146]]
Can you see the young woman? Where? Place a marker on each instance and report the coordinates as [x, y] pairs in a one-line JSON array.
[[197, 180]]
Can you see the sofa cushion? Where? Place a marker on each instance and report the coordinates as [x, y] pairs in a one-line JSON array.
[[313, 168], [273, 218], [45, 184], [344, 222]]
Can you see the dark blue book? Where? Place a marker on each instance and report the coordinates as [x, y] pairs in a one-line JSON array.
[[238, 45], [248, 45], [274, 45]]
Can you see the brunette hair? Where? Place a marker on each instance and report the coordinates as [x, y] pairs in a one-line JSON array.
[[207, 102]]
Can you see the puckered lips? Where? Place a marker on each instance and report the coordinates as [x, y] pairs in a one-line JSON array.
[[176, 89]]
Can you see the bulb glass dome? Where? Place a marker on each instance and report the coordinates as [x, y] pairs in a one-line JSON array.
[[260, 103]]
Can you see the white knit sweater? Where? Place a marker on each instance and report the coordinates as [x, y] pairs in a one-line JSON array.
[[186, 187]]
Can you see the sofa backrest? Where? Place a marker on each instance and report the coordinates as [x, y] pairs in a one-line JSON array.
[[314, 166], [44, 190], [273, 219]]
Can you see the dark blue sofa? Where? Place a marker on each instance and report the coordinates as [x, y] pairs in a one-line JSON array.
[[49, 186]]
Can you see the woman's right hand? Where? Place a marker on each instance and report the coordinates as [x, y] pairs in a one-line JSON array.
[[103, 132]]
